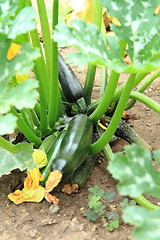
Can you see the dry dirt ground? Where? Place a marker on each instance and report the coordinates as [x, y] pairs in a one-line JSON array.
[[38, 220]]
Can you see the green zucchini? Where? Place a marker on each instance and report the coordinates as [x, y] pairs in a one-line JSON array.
[[75, 146], [128, 134], [71, 87], [81, 174], [47, 143], [51, 156]]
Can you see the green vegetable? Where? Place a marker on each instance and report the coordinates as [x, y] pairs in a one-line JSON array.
[[125, 132], [75, 146], [81, 174], [51, 155], [47, 143], [71, 87]]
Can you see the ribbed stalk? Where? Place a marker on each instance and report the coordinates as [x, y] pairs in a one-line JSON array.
[[97, 146], [90, 76], [6, 144], [29, 134], [54, 87], [147, 82], [106, 99], [45, 32]]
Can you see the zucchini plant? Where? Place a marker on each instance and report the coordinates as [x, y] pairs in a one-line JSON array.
[[53, 112]]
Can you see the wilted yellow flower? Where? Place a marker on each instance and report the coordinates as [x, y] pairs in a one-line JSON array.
[[33, 191], [27, 195], [53, 180], [33, 178]]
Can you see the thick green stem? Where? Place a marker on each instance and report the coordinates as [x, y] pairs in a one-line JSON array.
[[104, 78], [29, 134], [97, 146], [147, 82], [97, 14], [106, 99], [25, 118], [6, 145], [89, 82], [43, 78], [139, 77], [35, 118], [54, 87], [142, 201], [118, 91], [45, 32], [107, 151], [146, 100], [40, 66]]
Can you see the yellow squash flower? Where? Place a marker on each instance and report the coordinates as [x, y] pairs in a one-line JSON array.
[[40, 157], [33, 191], [27, 195]]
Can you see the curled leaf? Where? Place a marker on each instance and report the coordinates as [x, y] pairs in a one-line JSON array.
[[69, 189], [53, 180], [52, 199]]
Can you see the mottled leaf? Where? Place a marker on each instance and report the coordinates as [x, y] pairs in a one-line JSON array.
[[7, 124], [7, 11], [21, 96], [140, 29], [135, 172], [20, 158], [146, 222], [22, 23], [91, 45], [20, 64]]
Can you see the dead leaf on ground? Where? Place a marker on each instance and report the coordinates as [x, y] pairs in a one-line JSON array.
[[69, 189]]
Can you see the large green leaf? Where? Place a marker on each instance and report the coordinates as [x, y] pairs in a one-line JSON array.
[[21, 96], [135, 172], [140, 29], [20, 158], [20, 64], [7, 124], [7, 11], [22, 23], [146, 222], [91, 45]]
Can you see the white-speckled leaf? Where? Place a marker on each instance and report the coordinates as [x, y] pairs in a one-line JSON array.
[[20, 64], [7, 10], [7, 124], [21, 96], [146, 222], [140, 28], [20, 158], [22, 23], [91, 45], [135, 172]]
